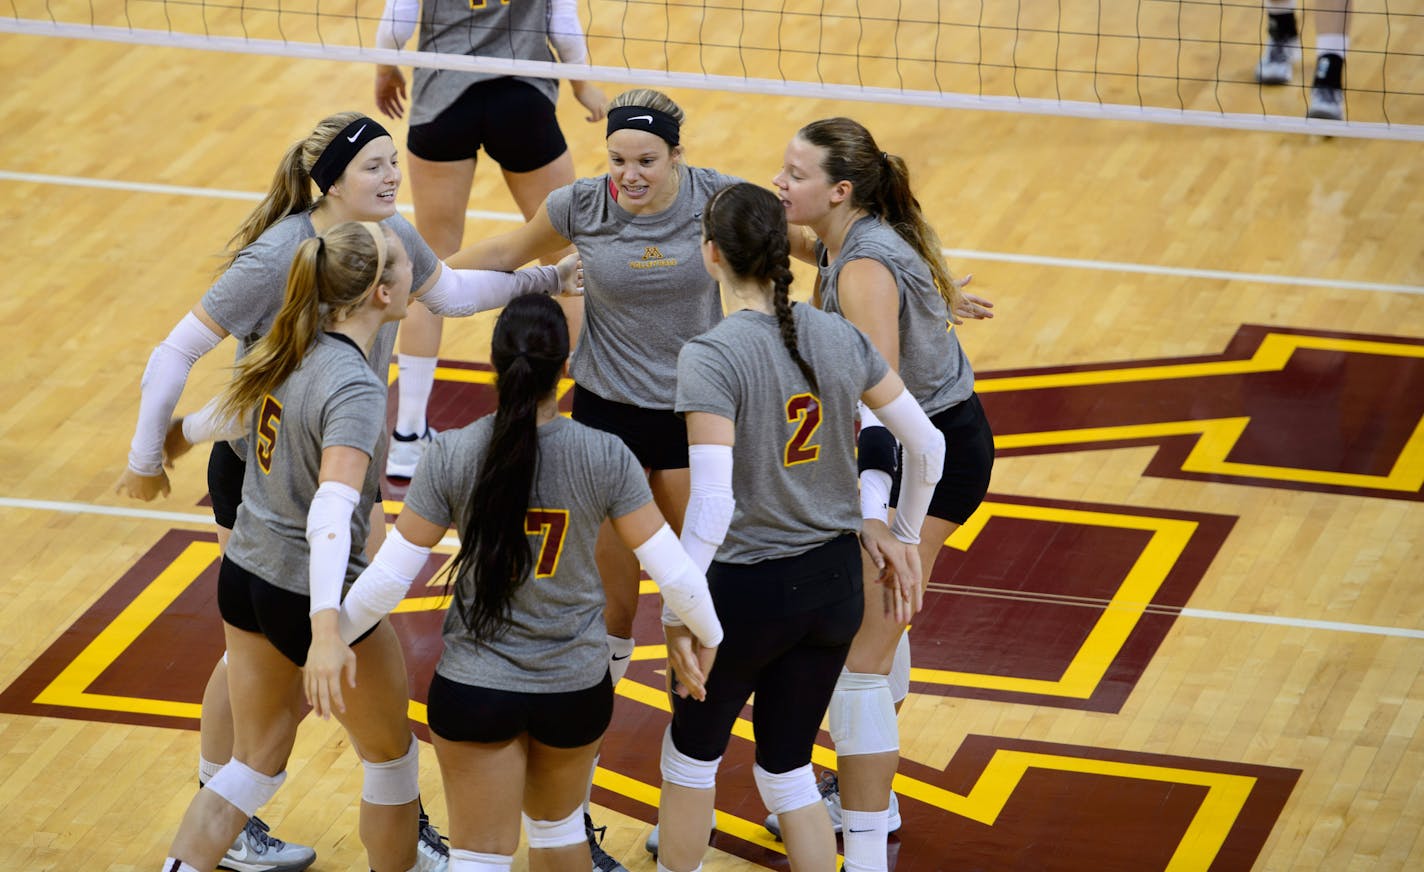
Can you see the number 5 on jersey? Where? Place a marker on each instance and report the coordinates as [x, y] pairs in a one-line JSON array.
[[268, 420], [551, 524], [804, 410]]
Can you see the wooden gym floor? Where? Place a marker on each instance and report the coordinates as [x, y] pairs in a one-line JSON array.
[[1185, 632]]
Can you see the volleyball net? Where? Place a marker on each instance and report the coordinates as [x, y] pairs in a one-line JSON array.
[[1180, 62]]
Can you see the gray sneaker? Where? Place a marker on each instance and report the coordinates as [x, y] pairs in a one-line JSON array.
[[1277, 66], [256, 850], [651, 845], [1326, 102], [830, 790], [405, 453], [431, 852], [602, 862]]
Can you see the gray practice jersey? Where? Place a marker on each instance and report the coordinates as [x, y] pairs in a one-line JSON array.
[[645, 289], [793, 465], [332, 399], [556, 641], [246, 298], [932, 364], [495, 29]]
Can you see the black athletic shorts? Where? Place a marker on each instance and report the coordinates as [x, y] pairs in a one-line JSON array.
[[225, 473], [512, 120], [464, 713], [658, 437], [968, 461], [250, 603], [788, 626]]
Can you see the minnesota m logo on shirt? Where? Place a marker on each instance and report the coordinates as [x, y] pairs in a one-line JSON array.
[[652, 257]]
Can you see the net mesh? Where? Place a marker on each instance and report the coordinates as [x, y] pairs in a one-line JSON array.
[[1191, 61]]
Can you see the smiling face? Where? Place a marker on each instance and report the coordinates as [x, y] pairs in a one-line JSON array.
[[644, 170], [803, 187], [366, 190]]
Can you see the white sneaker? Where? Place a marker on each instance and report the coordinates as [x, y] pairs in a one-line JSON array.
[[431, 852], [1277, 66], [405, 453], [830, 790], [256, 850]]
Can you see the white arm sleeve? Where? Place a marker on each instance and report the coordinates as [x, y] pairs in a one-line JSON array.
[[162, 385], [923, 463], [329, 535], [709, 504], [566, 31], [381, 586], [461, 292], [686, 600], [397, 23], [204, 425]]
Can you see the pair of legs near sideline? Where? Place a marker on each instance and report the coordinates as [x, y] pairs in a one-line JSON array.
[[267, 704], [441, 191]]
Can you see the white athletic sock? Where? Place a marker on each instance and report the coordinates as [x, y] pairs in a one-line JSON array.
[[414, 382], [1332, 43], [207, 769], [473, 861], [662, 868], [173, 865], [620, 653], [865, 840]]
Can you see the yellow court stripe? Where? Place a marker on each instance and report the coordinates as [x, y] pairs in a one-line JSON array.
[[1271, 355], [1006, 769], [69, 688], [1119, 617]]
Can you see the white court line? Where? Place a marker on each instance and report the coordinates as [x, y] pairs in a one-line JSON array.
[[451, 541], [972, 254]]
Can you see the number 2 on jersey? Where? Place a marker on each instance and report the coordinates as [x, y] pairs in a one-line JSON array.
[[805, 411], [268, 420], [552, 524], [480, 4]]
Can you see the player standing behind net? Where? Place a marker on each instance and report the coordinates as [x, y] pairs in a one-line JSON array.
[[454, 114], [770, 397], [1332, 40], [881, 267], [522, 693], [315, 414]]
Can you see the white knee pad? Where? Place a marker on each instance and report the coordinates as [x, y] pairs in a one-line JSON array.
[[684, 771], [555, 834], [863, 715], [473, 861], [900, 670], [786, 791], [245, 787], [620, 654], [395, 782]]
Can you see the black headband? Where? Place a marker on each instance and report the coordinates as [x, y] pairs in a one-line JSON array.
[[643, 118], [347, 144]]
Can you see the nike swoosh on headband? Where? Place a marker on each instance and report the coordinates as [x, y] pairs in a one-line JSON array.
[[352, 137], [647, 118]]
